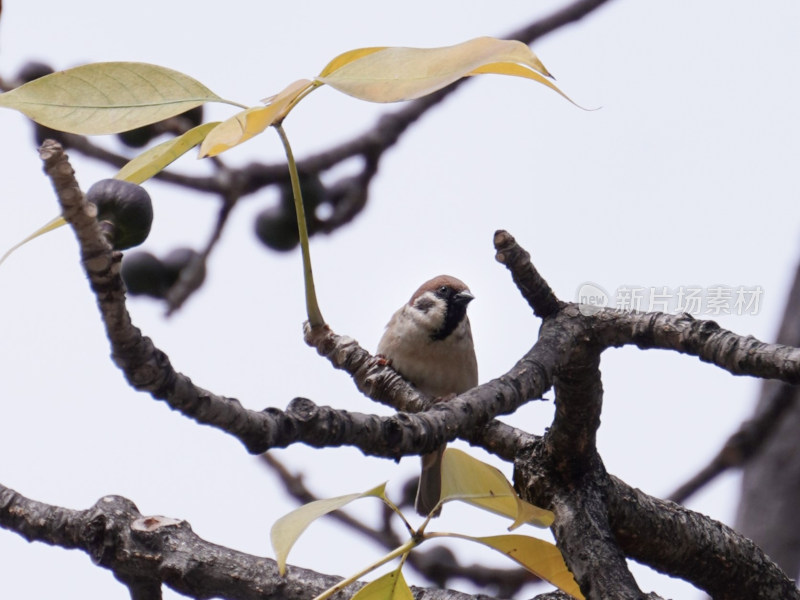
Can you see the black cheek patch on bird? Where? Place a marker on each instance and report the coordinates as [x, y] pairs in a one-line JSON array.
[[455, 314], [424, 304]]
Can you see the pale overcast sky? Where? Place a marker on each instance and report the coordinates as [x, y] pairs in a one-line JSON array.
[[685, 178]]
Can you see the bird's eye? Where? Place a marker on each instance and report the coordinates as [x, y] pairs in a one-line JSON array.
[[442, 291]]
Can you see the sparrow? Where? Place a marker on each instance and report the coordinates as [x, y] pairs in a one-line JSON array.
[[429, 342]]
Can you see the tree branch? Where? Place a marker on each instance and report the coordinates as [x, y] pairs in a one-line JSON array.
[[771, 477], [563, 471], [737, 354], [530, 283], [745, 443], [155, 550], [658, 533], [566, 353], [148, 369], [685, 544], [572, 478]]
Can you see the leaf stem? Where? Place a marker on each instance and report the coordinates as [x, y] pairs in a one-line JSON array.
[[312, 306], [448, 534], [399, 551], [238, 104], [399, 513], [434, 512]]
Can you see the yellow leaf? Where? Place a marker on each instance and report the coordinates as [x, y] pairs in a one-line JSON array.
[[49, 226], [519, 71], [288, 528], [348, 57], [111, 97], [150, 162], [539, 557], [395, 74], [391, 586], [467, 479], [252, 121]]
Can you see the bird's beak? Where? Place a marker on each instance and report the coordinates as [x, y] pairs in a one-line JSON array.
[[463, 298]]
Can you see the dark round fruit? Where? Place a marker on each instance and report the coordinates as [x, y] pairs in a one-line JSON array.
[[144, 274], [141, 136], [33, 70], [124, 211], [136, 138], [313, 191], [179, 259], [276, 227], [193, 115]]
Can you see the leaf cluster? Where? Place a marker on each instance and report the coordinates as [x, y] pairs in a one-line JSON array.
[[464, 479], [112, 97]]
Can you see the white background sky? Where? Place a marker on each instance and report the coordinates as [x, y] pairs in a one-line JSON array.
[[686, 176]]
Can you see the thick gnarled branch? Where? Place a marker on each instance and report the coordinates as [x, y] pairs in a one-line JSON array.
[[716, 553], [147, 551], [568, 339], [148, 369], [564, 472]]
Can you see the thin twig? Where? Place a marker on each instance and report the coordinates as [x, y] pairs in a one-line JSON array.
[[745, 443]]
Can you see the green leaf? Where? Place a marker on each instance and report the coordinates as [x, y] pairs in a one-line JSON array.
[[252, 121], [111, 97], [157, 158], [396, 74], [288, 528], [391, 586], [467, 479], [47, 227], [537, 556]]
